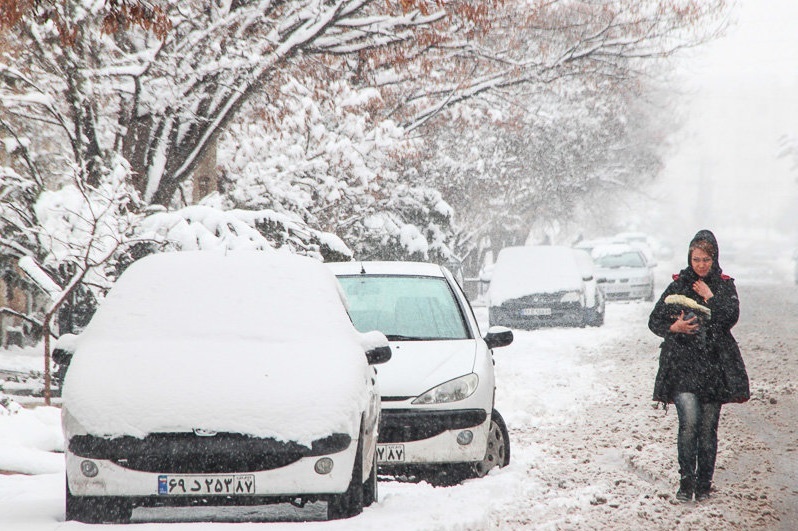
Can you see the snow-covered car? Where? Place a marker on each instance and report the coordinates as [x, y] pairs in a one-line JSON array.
[[623, 272], [640, 241], [206, 378], [438, 415], [588, 245], [537, 285]]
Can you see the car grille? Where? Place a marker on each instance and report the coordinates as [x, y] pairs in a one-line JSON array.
[[188, 453], [405, 425]]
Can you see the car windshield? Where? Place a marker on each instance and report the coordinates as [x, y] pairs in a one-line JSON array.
[[404, 308], [629, 259]]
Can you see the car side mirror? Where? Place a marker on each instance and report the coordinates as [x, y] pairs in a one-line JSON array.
[[62, 357], [498, 336], [378, 355]]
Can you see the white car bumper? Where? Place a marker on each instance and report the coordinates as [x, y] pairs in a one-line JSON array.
[[441, 448], [298, 478]]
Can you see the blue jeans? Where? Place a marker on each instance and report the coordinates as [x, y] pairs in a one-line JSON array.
[[698, 439]]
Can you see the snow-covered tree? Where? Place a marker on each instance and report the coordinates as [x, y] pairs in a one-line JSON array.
[[534, 111], [86, 84], [127, 96], [332, 162], [160, 99], [547, 104]]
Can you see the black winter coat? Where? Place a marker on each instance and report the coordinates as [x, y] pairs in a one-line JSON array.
[[708, 364]]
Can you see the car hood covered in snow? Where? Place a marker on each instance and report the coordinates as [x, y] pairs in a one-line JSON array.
[[253, 343], [418, 366]]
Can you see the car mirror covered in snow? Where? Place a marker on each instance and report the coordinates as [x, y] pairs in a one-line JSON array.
[[378, 355], [498, 336]]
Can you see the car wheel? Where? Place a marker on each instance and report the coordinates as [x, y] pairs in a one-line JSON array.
[[350, 503], [594, 318], [498, 450], [97, 509], [370, 490], [497, 453]]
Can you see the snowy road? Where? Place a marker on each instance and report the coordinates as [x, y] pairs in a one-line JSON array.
[[589, 450]]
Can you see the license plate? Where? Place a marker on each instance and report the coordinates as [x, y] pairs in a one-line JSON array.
[[536, 311], [193, 485], [390, 453]]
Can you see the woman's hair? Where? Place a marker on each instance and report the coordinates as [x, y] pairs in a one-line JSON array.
[[705, 246]]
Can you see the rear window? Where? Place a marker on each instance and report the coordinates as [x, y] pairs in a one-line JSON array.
[[631, 259], [404, 307]]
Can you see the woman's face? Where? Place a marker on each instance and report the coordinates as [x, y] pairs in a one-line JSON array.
[[701, 262]]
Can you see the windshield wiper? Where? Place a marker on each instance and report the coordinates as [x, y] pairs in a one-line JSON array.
[[396, 337]]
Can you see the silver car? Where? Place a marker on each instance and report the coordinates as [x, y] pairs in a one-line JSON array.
[[623, 272]]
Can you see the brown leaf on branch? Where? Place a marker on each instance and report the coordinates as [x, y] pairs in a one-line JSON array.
[[124, 13], [119, 15], [12, 11]]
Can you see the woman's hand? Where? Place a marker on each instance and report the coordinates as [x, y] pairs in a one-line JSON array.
[[700, 287], [684, 326]]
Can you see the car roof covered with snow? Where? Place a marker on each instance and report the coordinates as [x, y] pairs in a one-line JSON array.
[[204, 339]]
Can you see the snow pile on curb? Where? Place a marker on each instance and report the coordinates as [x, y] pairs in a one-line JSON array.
[[31, 441]]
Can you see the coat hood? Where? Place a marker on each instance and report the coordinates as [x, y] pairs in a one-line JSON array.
[[709, 237]]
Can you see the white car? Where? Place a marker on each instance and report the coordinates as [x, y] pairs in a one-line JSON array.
[[642, 242], [438, 417], [623, 272], [213, 379], [540, 285]]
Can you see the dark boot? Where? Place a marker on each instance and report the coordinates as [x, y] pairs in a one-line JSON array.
[[686, 489], [702, 490]]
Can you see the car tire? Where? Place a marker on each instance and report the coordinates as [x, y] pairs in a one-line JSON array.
[[97, 509], [497, 452], [594, 318], [350, 502], [370, 487]]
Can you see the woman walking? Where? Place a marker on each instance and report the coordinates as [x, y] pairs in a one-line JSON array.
[[700, 365]]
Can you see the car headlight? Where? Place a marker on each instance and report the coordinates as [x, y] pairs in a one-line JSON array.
[[451, 391], [571, 296]]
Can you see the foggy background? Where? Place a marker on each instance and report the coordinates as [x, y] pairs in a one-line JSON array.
[[724, 173]]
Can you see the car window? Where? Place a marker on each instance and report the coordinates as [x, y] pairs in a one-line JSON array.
[[404, 307], [630, 259]]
